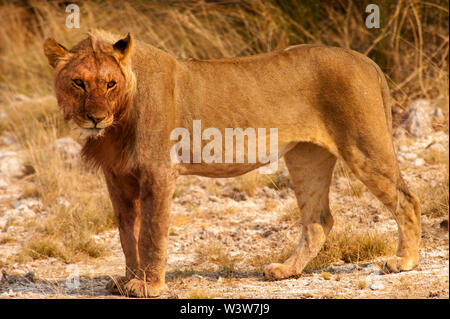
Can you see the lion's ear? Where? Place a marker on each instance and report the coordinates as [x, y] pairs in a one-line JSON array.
[[54, 51], [123, 47]]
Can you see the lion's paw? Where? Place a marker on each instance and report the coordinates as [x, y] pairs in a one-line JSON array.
[[134, 288], [141, 289], [397, 264], [115, 285], [277, 271]]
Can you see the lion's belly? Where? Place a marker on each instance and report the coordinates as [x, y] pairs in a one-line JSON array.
[[220, 170]]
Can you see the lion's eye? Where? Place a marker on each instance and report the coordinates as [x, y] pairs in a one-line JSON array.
[[111, 84], [78, 83]]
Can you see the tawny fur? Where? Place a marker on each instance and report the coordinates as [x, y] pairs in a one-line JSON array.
[[326, 102]]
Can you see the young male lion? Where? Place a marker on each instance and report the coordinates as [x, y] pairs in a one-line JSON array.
[[327, 103]]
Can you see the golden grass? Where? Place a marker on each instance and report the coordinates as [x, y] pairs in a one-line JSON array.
[[198, 293], [251, 182], [352, 246], [216, 253], [355, 188], [291, 213], [434, 201], [361, 284], [260, 261], [411, 45], [74, 197], [7, 239]]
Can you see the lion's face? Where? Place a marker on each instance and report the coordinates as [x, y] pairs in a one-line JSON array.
[[90, 89], [90, 86]]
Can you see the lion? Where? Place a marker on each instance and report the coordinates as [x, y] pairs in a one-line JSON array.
[[327, 103]]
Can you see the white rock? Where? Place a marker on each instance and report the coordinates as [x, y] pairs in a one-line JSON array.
[[26, 203], [376, 286], [10, 164], [213, 198], [27, 213], [410, 156], [62, 201], [419, 162], [403, 148], [97, 238], [3, 184], [6, 140], [418, 120]]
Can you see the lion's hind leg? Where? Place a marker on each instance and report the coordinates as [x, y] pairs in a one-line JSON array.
[[374, 162], [311, 169]]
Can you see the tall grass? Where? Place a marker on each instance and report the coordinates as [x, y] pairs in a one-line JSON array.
[[411, 45]]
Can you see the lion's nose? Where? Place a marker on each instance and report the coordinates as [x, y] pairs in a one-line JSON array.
[[95, 119]]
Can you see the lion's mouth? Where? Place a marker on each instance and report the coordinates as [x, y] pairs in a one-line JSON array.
[[91, 132], [89, 129]]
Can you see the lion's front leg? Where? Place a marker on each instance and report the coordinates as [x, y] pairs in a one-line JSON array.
[[124, 194], [155, 199]]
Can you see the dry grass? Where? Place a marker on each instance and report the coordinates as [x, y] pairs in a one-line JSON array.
[[7, 239], [362, 284], [292, 213], [434, 201], [250, 182], [411, 45], [259, 262], [218, 254], [198, 293], [352, 246], [74, 198], [354, 187]]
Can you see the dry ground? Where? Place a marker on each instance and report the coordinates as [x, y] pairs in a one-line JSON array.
[[224, 231]]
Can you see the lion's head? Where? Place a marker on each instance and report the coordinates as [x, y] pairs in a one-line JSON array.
[[92, 81]]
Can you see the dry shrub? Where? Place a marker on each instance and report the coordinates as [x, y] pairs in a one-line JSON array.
[[216, 253], [434, 201], [249, 183], [352, 246], [74, 198], [292, 213]]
